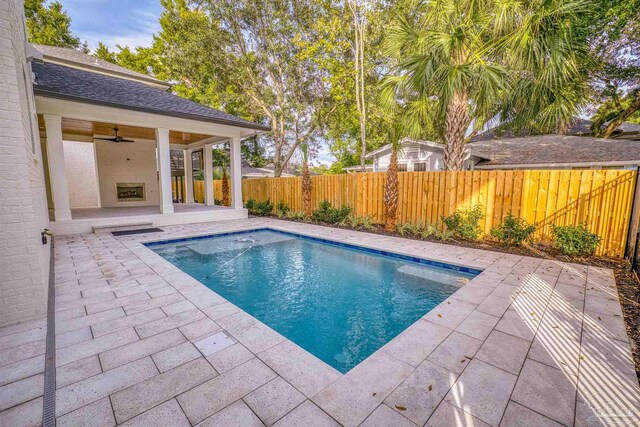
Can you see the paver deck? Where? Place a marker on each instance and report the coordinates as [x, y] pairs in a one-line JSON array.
[[139, 342]]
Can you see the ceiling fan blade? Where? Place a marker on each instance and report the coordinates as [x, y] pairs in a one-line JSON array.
[[108, 139], [127, 140]]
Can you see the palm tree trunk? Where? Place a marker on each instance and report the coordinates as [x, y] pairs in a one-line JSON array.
[[306, 190], [456, 126], [391, 193], [225, 188]]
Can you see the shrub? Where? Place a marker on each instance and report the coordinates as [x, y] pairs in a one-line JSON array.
[[282, 209], [465, 223], [293, 215], [513, 231], [257, 207], [358, 222], [575, 239], [330, 215]]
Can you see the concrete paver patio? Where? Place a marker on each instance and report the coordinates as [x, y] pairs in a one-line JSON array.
[[139, 342]]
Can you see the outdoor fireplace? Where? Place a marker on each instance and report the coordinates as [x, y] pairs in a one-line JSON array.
[[130, 191]]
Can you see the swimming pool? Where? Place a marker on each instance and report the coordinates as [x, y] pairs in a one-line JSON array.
[[339, 302]]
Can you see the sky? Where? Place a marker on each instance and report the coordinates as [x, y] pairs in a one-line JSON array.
[[128, 23]]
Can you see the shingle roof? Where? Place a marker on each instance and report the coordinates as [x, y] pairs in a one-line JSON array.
[[579, 127], [554, 150], [57, 81], [73, 56]]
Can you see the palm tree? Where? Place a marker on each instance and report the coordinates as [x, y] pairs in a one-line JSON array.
[[391, 182], [306, 182], [225, 187], [474, 61]]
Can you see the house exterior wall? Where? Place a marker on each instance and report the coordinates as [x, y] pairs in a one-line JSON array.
[[24, 260], [127, 162], [80, 162], [411, 154]]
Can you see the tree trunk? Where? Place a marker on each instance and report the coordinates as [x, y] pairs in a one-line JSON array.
[[624, 115], [456, 126], [306, 190], [391, 193], [225, 188]]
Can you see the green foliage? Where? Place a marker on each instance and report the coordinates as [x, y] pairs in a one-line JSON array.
[[294, 215], [50, 25], [257, 207], [282, 210], [358, 222], [330, 215], [513, 231], [465, 223], [424, 230], [575, 239]]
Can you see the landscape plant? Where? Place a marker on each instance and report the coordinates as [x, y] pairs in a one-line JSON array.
[[575, 239], [329, 214], [465, 223], [257, 207], [358, 222], [513, 231]]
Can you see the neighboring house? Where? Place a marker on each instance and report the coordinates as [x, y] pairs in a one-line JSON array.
[[64, 168], [415, 155], [267, 171]]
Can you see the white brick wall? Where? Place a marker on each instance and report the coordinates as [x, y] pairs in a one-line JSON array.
[[82, 182], [24, 260]]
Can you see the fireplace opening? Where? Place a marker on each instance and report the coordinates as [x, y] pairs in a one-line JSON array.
[[130, 191]]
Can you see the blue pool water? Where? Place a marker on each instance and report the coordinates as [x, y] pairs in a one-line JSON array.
[[340, 304]]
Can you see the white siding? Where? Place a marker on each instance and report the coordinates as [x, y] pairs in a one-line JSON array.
[[24, 260]]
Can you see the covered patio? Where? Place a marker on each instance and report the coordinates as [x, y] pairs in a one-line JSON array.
[[127, 129]]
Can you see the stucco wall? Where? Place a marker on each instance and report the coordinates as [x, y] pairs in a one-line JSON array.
[[127, 162], [80, 163], [24, 260]]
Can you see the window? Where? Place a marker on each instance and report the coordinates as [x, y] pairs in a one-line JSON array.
[[402, 167], [420, 167]]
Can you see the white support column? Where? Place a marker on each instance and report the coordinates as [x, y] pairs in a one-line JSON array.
[[57, 171], [236, 173], [188, 176], [164, 169], [207, 172]]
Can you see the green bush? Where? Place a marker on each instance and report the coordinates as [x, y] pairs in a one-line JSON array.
[[257, 207], [282, 209], [465, 223], [575, 239], [513, 231], [358, 222], [330, 215]]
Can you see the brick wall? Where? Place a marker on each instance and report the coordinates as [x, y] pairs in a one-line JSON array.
[[24, 260]]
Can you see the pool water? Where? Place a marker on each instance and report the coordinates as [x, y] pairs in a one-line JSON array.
[[339, 303]]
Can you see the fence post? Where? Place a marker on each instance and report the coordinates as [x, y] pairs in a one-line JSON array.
[[633, 233]]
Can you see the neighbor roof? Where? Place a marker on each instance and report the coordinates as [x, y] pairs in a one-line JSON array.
[[73, 84], [76, 58], [579, 127], [555, 150]]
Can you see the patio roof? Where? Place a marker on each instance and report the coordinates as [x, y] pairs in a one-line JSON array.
[[72, 84]]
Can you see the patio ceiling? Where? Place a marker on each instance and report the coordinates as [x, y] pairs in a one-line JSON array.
[[86, 128]]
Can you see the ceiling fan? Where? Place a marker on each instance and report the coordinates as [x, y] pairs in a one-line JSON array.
[[116, 138]]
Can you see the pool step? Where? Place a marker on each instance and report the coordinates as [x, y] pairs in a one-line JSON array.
[[108, 228]]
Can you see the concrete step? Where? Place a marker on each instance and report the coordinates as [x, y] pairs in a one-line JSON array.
[[108, 228]]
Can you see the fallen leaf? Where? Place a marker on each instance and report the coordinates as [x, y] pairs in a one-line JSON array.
[[430, 387], [439, 315], [374, 394], [400, 408]]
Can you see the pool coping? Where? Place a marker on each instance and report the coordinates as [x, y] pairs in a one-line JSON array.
[[398, 355]]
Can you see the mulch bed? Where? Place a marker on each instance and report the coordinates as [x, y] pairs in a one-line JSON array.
[[626, 279]]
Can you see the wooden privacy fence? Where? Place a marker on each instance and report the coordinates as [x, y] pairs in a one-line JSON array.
[[601, 198], [198, 190]]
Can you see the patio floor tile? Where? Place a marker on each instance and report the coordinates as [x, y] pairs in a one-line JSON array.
[[308, 415], [448, 415], [483, 391], [28, 414], [126, 322], [22, 369], [384, 416], [546, 390], [168, 414], [21, 391], [417, 342], [355, 395], [96, 414], [175, 356], [300, 368], [212, 396], [517, 416], [214, 343], [250, 332], [230, 357], [168, 323], [422, 391], [455, 352], [478, 325], [128, 353], [145, 395], [274, 400], [504, 351], [77, 371], [237, 414]]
